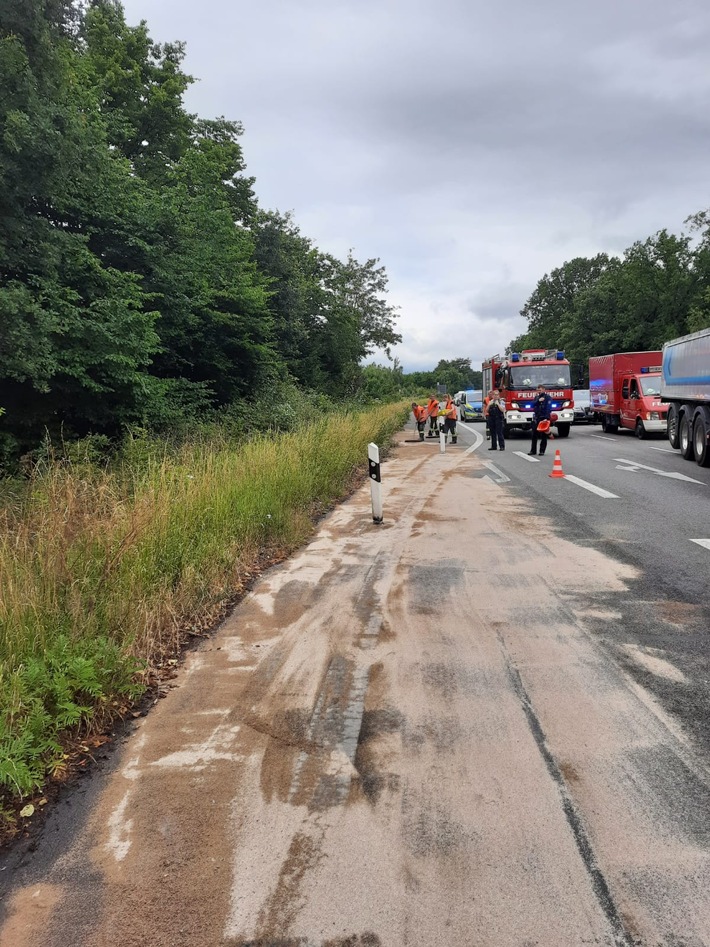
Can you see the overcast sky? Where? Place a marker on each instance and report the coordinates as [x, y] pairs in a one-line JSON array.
[[472, 145]]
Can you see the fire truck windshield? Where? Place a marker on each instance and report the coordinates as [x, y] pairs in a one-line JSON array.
[[532, 375], [651, 385]]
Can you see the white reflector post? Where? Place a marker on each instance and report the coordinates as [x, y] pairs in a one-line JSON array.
[[373, 456], [442, 442]]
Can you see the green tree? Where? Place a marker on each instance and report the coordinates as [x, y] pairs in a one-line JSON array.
[[214, 325], [549, 308], [457, 375], [297, 297], [637, 303], [141, 86], [357, 319], [78, 332]]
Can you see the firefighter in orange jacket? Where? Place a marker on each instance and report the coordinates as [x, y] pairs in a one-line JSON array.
[[450, 417], [432, 410], [420, 415]]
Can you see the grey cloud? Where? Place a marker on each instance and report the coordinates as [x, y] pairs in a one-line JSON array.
[[473, 146]]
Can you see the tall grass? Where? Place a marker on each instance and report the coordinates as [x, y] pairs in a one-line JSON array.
[[103, 568]]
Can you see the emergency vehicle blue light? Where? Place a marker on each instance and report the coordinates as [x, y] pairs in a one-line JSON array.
[[528, 406], [515, 357], [644, 371], [560, 355]]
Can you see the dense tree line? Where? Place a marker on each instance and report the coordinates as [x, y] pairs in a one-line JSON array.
[[140, 281], [384, 381], [658, 290]]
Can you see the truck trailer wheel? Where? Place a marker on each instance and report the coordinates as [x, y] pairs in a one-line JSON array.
[[640, 430], [672, 427], [700, 441], [686, 436], [563, 430]]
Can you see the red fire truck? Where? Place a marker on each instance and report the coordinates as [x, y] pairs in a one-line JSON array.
[[625, 389], [517, 376]]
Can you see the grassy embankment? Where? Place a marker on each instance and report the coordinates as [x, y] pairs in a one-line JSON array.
[[104, 569]]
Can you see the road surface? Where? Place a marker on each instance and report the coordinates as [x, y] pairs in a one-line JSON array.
[[481, 723]]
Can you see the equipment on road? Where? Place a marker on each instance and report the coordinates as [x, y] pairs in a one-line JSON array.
[[543, 426], [557, 470], [517, 375], [625, 392], [685, 388]]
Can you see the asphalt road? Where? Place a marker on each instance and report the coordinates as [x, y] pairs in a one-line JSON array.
[[480, 724], [660, 504]]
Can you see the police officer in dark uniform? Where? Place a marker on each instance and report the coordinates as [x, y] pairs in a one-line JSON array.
[[543, 410], [496, 421]]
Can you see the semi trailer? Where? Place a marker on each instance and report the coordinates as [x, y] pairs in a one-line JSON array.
[[685, 389]]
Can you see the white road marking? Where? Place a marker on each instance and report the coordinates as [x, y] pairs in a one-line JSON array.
[[477, 441], [499, 473], [634, 467], [705, 543], [533, 460], [592, 488], [603, 437], [119, 829], [666, 450]]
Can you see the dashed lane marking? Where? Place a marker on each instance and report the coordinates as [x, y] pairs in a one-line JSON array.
[[520, 453], [600, 492], [666, 450], [705, 543]]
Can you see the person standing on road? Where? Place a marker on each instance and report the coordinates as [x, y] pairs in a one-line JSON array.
[[496, 417], [432, 409], [486, 402], [543, 410], [420, 416], [450, 417]]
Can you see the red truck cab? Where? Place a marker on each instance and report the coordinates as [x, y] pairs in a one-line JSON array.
[[625, 390]]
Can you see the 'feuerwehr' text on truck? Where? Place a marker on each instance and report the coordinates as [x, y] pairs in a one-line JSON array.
[[685, 387]]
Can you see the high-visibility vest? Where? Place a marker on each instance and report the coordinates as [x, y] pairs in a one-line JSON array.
[[420, 413], [432, 408], [450, 411]]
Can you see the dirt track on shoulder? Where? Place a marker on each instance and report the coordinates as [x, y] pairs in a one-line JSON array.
[[405, 735]]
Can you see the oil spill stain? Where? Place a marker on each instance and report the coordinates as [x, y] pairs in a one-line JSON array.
[[443, 733], [367, 939], [569, 772], [369, 763], [440, 677], [431, 831], [355, 940], [285, 902], [679, 613], [289, 737]]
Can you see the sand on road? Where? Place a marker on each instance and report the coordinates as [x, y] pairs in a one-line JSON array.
[[405, 735]]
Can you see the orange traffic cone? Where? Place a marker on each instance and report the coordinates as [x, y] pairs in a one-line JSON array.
[[557, 470]]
